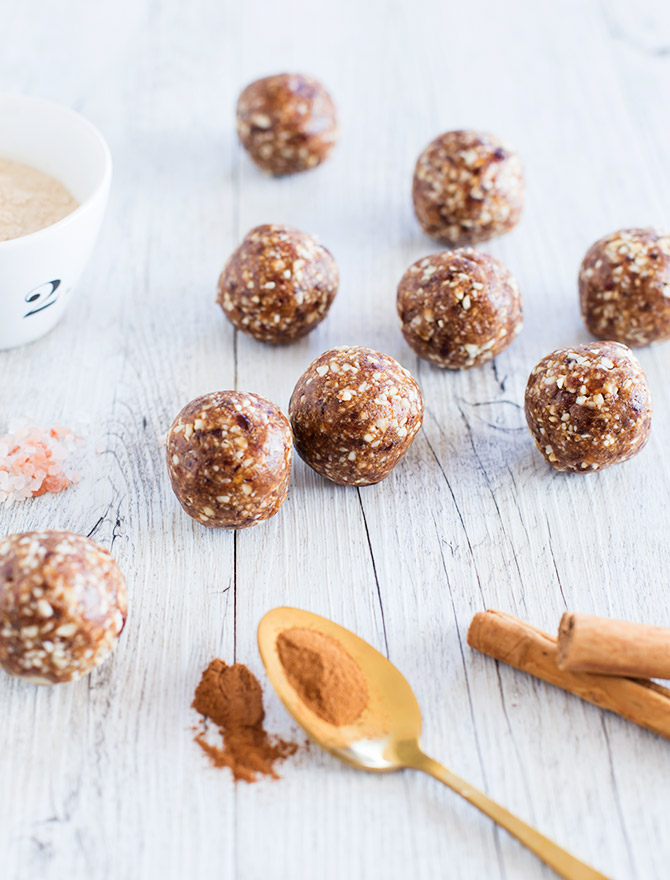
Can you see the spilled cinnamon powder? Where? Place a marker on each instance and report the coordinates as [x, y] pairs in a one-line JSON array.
[[231, 696], [325, 676]]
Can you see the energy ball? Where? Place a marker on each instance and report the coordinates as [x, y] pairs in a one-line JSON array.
[[624, 287], [588, 407], [286, 123], [354, 414], [278, 285], [460, 308], [63, 605], [229, 459], [468, 187]]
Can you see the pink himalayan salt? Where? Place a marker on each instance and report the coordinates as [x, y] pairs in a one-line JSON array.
[[35, 460]]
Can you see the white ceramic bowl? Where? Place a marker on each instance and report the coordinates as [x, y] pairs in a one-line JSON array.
[[39, 271]]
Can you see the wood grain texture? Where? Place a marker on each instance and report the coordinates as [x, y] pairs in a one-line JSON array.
[[101, 779]]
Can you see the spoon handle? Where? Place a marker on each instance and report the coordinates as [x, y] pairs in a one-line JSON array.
[[551, 853]]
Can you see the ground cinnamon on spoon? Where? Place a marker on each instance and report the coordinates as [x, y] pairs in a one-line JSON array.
[[324, 674], [231, 697]]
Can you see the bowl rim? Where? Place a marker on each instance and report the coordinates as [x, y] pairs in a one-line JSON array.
[[104, 182]]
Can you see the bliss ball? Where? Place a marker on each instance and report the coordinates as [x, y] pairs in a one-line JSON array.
[[354, 414], [468, 187], [460, 308], [287, 123], [63, 605], [624, 287], [278, 285], [588, 407], [229, 459]]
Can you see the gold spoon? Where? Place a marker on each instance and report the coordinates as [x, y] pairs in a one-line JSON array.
[[385, 737]]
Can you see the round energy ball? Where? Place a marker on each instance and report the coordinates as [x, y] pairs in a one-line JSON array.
[[460, 308], [468, 187], [624, 287], [63, 605], [229, 459], [278, 285], [588, 407], [354, 414], [286, 123]]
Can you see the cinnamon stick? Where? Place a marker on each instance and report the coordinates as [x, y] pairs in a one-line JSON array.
[[513, 641], [613, 647]]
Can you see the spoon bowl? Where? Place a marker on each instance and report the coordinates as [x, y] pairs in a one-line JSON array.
[[386, 735], [390, 721]]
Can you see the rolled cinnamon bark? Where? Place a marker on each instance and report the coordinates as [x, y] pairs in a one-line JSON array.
[[613, 647], [513, 641]]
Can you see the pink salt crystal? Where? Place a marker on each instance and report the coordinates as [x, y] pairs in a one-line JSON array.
[[35, 460]]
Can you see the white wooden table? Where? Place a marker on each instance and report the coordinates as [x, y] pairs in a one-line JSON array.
[[101, 778]]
